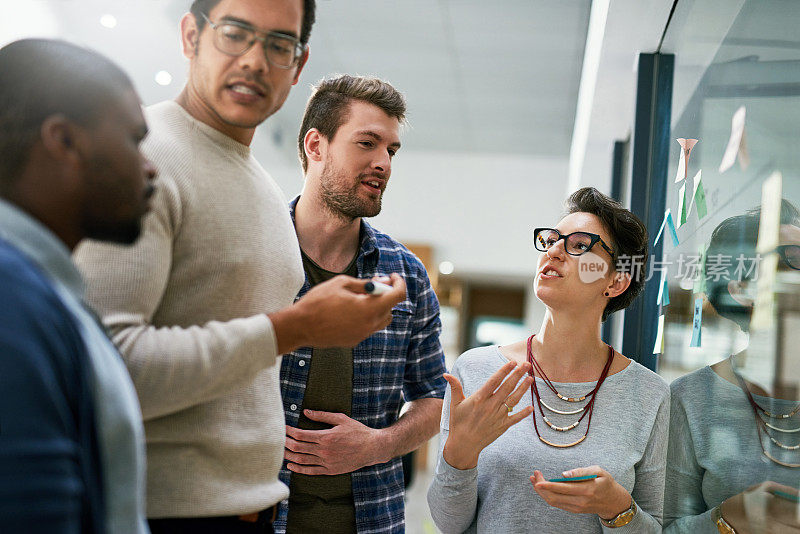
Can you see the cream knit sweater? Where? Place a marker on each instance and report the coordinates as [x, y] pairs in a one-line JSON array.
[[187, 305]]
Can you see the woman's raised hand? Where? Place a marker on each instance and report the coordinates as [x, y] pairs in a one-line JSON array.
[[478, 420]]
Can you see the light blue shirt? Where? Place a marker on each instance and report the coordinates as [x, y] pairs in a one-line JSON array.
[[119, 419]]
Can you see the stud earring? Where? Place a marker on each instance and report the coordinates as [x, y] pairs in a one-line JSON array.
[[606, 293]]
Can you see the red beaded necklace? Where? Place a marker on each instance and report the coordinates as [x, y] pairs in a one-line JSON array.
[[587, 409]]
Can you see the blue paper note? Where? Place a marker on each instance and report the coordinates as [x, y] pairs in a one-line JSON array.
[[673, 233], [697, 332]]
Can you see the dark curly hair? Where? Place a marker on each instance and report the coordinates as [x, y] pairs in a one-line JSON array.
[[628, 235]]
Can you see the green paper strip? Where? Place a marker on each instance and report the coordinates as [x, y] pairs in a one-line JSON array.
[[700, 201], [683, 208]]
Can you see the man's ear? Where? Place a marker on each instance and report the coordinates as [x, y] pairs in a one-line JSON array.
[[300, 64], [62, 139], [619, 283], [740, 292], [313, 145], [189, 35]]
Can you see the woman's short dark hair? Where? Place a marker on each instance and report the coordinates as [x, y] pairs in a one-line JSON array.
[[204, 7], [732, 252], [628, 236]]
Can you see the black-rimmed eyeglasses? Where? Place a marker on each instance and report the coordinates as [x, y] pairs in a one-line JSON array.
[[575, 244], [236, 38], [790, 254]]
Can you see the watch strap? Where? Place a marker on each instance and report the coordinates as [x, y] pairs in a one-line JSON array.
[[722, 526], [621, 519]]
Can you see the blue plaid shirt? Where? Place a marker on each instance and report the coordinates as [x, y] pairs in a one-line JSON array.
[[401, 363]]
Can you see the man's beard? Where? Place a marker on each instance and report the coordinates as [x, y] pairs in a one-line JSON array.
[[344, 201], [108, 226]]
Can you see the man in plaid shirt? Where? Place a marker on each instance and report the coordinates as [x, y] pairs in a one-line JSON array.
[[344, 434]]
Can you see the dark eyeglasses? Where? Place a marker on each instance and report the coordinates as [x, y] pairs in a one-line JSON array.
[[790, 254], [236, 38], [576, 243]]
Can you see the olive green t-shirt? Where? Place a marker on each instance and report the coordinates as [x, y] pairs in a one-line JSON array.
[[324, 502]]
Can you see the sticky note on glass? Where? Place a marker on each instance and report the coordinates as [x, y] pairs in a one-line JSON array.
[[683, 208], [700, 281], [763, 317], [658, 348], [697, 322], [668, 222], [770, 220], [663, 290], [737, 147], [683, 161], [768, 238], [699, 196]]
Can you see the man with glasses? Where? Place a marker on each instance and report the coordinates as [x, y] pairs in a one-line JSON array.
[[201, 306]]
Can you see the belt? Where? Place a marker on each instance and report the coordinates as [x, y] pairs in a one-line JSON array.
[[270, 514]]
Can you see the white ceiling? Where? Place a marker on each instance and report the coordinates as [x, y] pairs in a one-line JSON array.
[[491, 87], [479, 76]]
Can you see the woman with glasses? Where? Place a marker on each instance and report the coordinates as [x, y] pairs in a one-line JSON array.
[[733, 462], [579, 443]]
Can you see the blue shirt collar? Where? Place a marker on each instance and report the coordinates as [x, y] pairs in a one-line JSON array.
[[41, 246], [369, 243]]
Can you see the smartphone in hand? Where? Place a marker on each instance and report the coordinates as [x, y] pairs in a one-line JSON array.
[[573, 479]]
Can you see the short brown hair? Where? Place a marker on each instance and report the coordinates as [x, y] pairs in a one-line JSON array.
[[327, 108], [629, 236]]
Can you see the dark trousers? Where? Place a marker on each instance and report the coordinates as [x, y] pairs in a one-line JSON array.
[[215, 525]]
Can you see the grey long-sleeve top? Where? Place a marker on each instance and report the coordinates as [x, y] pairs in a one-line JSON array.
[[714, 452], [628, 438]]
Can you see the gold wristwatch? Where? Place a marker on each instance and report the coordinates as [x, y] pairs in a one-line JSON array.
[[722, 525], [622, 519]]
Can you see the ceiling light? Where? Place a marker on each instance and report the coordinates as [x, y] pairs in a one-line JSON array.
[[109, 21], [163, 78], [446, 267], [583, 112]]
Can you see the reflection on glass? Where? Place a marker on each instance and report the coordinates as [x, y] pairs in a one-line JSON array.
[[733, 59], [734, 443]]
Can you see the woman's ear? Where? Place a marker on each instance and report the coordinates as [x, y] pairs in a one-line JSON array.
[[619, 283], [741, 293]]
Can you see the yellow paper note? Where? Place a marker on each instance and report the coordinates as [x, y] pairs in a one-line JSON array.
[[770, 222], [768, 238], [764, 307]]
